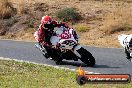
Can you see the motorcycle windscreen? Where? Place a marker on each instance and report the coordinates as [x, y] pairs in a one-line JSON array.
[[54, 40]]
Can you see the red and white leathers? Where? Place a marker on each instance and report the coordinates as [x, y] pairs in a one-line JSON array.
[[46, 28]]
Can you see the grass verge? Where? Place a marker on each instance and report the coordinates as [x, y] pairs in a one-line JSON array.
[[27, 75]]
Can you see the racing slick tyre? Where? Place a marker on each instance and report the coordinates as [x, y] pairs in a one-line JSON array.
[[86, 57]]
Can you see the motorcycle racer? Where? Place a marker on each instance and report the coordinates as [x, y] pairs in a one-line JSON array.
[[65, 46], [46, 30]]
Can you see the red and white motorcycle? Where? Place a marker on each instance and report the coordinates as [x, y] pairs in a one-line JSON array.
[[65, 46]]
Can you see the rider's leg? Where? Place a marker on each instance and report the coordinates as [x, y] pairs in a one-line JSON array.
[[47, 37], [48, 40]]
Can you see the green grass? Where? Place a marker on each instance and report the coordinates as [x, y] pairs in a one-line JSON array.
[[27, 75]]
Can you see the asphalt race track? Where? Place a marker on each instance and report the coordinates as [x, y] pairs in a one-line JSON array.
[[108, 60]]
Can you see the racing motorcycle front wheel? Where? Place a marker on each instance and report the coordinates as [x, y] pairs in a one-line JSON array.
[[86, 57]]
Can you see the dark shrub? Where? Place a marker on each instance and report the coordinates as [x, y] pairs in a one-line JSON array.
[[6, 9], [68, 14]]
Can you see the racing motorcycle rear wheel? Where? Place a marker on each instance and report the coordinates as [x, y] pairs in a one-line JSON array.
[[86, 57]]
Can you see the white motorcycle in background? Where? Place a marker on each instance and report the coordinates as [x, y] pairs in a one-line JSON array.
[[126, 42], [65, 46]]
